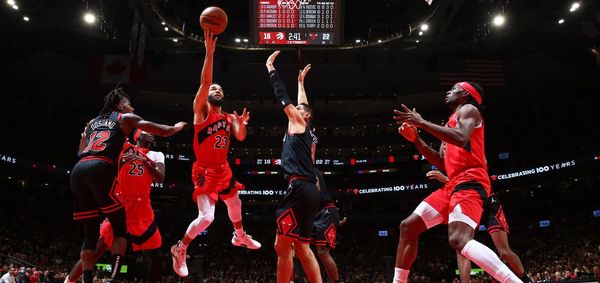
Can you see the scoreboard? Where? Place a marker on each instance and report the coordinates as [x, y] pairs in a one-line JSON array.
[[296, 22]]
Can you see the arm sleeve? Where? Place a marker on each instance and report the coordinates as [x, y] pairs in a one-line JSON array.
[[279, 89]]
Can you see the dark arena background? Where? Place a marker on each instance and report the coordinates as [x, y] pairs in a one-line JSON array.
[[537, 61]]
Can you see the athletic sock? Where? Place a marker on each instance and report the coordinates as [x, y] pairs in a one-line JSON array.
[[400, 275], [240, 232]]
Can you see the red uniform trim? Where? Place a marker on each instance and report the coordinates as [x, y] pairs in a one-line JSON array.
[[97, 157]]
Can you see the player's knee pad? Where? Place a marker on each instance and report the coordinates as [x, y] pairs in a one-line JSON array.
[[117, 221], [91, 230]]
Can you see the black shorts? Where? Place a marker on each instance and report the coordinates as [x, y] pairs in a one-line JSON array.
[[93, 183], [296, 211], [494, 215], [325, 227]]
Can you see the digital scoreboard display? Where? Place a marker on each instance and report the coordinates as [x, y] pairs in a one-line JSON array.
[[296, 22]]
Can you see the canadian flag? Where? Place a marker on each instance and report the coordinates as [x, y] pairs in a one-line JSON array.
[[112, 69]]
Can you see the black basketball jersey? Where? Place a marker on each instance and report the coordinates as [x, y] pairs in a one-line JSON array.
[[326, 198], [296, 155], [104, 137]]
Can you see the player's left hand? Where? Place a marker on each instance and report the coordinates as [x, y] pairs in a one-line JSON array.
[[303, 73], [243, 119], [409, 116], [343, 221]]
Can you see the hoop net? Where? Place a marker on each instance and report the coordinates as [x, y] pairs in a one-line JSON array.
[[292, 4]]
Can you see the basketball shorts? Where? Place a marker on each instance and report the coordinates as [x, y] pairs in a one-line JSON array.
[[454, 202], [326, 223], [141, 237], [216, 182], [494, 217], [93, 183], [295, 214]]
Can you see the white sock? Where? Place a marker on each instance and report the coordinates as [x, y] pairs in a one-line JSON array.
[[400, 275], [489, 261], [239, 232]]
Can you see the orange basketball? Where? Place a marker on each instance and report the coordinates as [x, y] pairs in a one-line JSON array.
[[213, 19]]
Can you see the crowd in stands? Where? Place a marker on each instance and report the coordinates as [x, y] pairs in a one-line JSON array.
[[40, 241]]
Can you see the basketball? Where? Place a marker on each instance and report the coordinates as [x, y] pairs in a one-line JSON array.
[[213, 19]]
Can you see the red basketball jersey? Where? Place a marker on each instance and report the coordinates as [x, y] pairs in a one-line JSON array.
[[458, 160], [135, 181], [212, 138]]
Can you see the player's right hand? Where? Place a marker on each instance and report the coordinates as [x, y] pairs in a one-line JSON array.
[[437, 175], [408, 131], [179, 126], [210, 41], [271, 60]]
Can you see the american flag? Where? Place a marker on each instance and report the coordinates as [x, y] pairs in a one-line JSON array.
[[485, 72]]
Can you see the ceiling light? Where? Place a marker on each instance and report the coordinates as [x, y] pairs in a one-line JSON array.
[[358, 41], [89, 18], [574, 7], [10, 2], [238, 40], [162, 23], [245, 40], [166, 29], [499, 20], [561, 21], [175, 40], [15, 7], [26, 18], [424, 27], [420, 33]]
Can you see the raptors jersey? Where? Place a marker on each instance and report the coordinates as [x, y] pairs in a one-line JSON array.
[[135, 182], [466, 162], [212, 138]]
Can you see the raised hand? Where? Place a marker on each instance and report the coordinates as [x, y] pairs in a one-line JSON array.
[[302, 73], [271, 60], [408, 116], [408, 131], [243, 119], [210, 41]]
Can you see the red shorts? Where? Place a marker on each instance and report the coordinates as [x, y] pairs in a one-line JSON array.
[[142, 229], [469, 195], [215, 182]]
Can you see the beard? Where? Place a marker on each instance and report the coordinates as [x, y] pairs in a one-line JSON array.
[[216, 102]]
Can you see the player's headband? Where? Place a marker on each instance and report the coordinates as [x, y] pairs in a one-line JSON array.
[[471, 90]]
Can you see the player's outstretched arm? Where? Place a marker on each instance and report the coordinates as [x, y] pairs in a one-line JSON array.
[[239, 124], [459, 136], [201, 100], [132, 121], [297, 123], [409, 132], [302, 99]]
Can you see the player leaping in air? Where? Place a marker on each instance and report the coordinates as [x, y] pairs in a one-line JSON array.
[[211, 173]]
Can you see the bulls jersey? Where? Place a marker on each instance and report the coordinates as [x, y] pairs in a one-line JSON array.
[[296, 154], [104, 137], [212, 138], [134, 179], [472, 156]]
